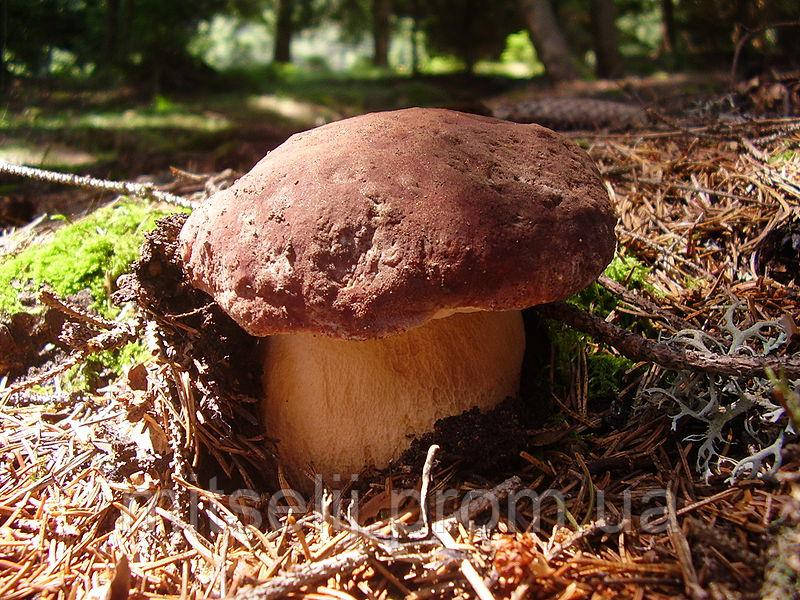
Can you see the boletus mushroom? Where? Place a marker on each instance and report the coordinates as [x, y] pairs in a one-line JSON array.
[[387, 258]]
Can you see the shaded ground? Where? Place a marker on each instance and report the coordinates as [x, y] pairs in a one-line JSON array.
[[120, 135]]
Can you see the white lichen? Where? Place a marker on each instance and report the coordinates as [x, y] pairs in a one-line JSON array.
[[716, 401]]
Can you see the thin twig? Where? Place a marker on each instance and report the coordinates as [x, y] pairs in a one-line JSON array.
[[583, 532], [426, 481], [305, 575], [107, 340], [492, 498], [48, 298], [684, 554], [139, 190]]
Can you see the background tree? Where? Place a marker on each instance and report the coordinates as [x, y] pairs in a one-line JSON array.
[[711, 30], [291, 17], [668, 33], [605, 39], [153, 43], [547, 37], [138, 40], [34, 29], [381, 29], [469, 29], [284, 30], [3, 39], [356, 18]]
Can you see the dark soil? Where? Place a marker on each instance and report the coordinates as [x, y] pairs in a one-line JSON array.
[[31, 343], [778, 254], [15, 211], [195, 335]]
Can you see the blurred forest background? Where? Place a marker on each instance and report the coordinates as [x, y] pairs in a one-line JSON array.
[[126, 86]]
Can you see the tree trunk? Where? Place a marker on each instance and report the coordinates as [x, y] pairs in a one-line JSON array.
[[667, 26], [112, 32], [284, 26], [124, 31], [548, 39], [604, 34], [3, 42], [414, 35], [381, 11]]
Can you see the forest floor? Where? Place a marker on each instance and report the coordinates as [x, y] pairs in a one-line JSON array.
[[661, 482]]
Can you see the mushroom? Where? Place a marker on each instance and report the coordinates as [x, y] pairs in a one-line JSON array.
[[388, 257]]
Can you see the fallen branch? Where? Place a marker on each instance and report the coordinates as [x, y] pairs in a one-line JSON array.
[[491, 498], [305, 575], [639, 348], [638, 301], [139, 190], [48, 298]]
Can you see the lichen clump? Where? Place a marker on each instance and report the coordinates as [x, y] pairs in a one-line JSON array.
[[87, 254]]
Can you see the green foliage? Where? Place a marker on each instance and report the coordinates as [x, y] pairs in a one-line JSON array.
[[63, 137], [143, 40], [225, 42], [86, 375], [341, 93], [519, 48], [640, 28], [470, 29], [785, 156], [87, 254], [606, 372], [164, 106], [169, 44], [353, 16], [624, 269], [34, 28]]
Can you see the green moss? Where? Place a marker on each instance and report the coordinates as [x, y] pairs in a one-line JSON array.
[[782, 157], [87, 254], [624, 269], [693, 283], [98, 367], [627, 269], [606, 373]]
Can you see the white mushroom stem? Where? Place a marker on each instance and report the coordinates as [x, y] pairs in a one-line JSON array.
[[337, 406]]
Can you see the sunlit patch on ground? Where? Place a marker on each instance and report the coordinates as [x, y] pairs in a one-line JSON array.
[[293, 109], [51, 154]]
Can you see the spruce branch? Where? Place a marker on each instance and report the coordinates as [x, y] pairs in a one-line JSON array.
[[638, 348]]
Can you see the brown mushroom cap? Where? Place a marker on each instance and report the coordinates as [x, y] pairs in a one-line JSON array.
[[373, 225]]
